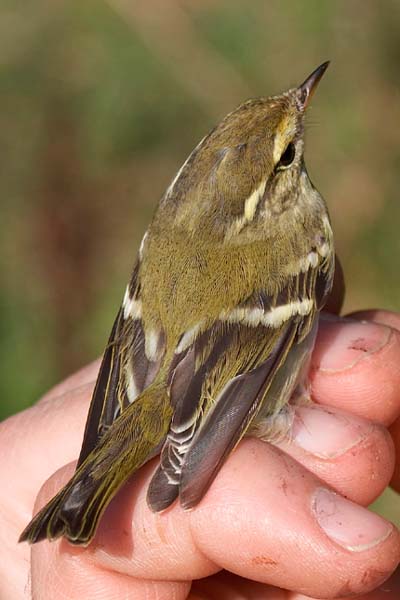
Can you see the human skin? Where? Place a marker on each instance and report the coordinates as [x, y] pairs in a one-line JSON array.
[[271, 519]]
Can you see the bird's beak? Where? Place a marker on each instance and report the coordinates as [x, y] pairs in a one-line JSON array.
[[307, 89]]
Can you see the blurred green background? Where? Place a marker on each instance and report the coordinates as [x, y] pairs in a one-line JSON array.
[[102, 101]]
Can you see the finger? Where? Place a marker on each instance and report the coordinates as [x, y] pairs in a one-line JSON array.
[[60, 570], [131, 539], [84, 377], [289, 527], [352, 455], [41, 441], [43, 438], [227, 586], [384, 317], [388, 590], [355, 368], [55, 577], [389, 319], [293, 530]]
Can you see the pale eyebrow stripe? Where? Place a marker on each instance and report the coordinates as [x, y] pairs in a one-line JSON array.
[[284, 133]]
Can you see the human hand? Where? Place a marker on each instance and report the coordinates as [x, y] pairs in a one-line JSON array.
[[269, 517]]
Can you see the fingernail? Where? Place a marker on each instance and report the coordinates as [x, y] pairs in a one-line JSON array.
[[342, 344], [348, 524], [327, 434]]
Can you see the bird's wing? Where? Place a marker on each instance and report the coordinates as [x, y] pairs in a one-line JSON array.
[[223, 379], [125, 370]]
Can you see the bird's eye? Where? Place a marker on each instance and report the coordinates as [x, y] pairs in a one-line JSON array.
[[287, 157]]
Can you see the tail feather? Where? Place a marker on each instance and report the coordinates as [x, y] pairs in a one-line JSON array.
[[129, 443]]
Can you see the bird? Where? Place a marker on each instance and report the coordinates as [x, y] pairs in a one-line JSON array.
[[215, 331]]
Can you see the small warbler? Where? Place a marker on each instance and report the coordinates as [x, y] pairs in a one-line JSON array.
[[217, 324]]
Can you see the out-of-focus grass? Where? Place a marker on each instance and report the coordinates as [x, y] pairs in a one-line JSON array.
[[102, 101]]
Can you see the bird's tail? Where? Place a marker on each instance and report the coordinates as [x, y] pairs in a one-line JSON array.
[[131, 440]]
